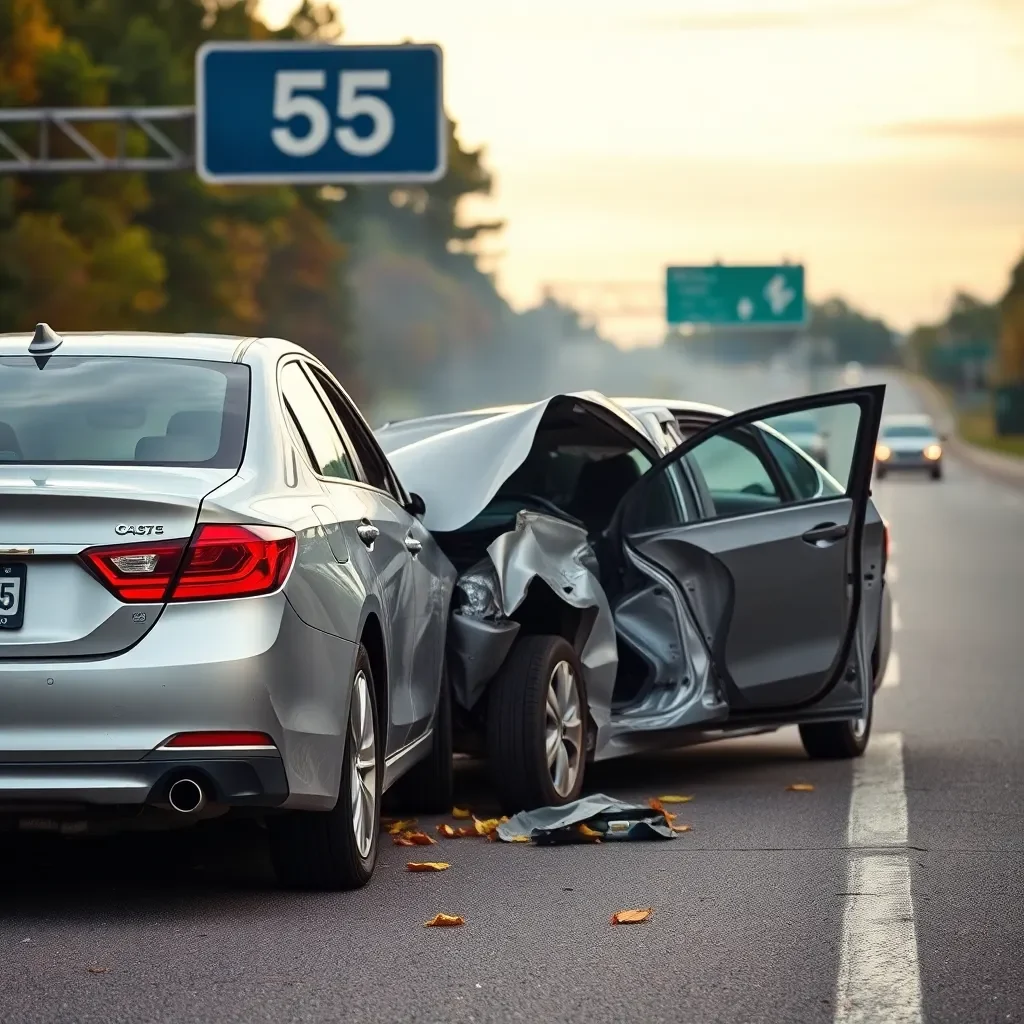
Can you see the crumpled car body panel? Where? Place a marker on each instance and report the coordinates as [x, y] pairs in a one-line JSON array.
[[458, 472]]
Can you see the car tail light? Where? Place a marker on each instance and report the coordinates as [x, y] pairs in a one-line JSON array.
[[219, 562], [221, 739], [137, 572]]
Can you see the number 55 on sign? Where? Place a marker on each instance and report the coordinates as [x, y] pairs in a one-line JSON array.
[[297, 113]]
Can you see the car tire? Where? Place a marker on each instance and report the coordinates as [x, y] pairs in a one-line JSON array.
[[879, 474], [337, 849], [427, 787], [537, 725], [835, 741], [937, 473]]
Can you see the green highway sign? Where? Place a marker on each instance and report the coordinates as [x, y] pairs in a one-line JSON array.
[[736, 296]]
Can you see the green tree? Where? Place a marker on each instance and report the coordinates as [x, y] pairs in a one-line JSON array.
[[856, 336]]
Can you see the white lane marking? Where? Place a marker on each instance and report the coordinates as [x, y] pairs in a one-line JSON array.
[[897, 622], [892, 573], [879, 976], [878, 804], [892, 670]]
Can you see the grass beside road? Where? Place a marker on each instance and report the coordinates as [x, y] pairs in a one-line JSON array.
[[977, 426]]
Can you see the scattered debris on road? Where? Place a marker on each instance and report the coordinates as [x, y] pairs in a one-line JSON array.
[[673, 799], [395, 827], [602, 817], [98, 970], [631, 916], [413, 839], [444, 921], [427, 865], [461, 814], [800, 787]]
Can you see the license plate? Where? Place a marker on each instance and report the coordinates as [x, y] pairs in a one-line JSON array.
[[12, 594]]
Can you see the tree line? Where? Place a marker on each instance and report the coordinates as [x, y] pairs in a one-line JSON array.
[[375, 281]]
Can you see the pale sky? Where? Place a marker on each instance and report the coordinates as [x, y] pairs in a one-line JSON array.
[[881, 142]]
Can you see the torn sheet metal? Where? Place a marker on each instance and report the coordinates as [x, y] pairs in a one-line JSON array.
[[614, 819], [457, 472], [555, 551]]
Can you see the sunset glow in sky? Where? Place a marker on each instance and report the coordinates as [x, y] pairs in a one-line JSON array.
[[879, 141]]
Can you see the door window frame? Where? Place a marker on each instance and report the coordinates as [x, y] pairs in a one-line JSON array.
[[295, 424]]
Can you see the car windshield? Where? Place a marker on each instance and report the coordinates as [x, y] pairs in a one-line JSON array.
[[909, 430], [136, 410]]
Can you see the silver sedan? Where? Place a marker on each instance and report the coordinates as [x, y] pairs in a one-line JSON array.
[[215, 597]]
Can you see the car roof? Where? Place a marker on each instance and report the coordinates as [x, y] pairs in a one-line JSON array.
[[214, 347]]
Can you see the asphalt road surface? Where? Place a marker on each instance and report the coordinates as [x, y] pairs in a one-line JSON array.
[[892, 893]]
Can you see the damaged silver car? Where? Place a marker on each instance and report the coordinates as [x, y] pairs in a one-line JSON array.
[[619, 592]]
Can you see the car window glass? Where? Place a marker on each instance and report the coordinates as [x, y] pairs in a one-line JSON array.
[[329, 455], [375, 468], [799, 472], [731, 467], [837, 427]]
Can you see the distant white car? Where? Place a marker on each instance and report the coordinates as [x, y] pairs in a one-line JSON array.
[[852, 374], [909, 443]]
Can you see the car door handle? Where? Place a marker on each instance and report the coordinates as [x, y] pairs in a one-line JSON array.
[[826, 533], [367, 533], [412, 545]]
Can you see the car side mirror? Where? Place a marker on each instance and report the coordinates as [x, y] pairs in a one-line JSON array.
[[416, 506]]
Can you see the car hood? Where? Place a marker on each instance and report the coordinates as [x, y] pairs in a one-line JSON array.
[[457, 472]]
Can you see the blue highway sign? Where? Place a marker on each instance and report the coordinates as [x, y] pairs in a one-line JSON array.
[[299, 113]]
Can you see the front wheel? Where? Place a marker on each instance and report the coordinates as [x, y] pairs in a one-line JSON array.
[[833, 741], [337, 849], [937, 473], [536, 725]]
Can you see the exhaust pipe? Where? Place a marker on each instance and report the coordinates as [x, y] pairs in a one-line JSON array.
[[186, 796]]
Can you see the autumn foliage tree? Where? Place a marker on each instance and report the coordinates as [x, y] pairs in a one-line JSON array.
[[164, 251]]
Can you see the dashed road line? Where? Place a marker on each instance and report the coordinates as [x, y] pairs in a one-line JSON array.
[[879, 974]]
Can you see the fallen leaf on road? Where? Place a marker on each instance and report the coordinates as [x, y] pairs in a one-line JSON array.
[[427, 865], [585, 830], [800, 787], [444, 921], [463, 832], [486, 826], [655, 805], [461, 814], [632, 916], [400, 826], [680, 828], [671, 799], [519, 839], [98, 970], [414, 839]]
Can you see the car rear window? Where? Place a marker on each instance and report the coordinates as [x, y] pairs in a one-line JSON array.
[[135, 410]]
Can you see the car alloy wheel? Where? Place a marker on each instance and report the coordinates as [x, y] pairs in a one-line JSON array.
[[363, 747], [563, 726]]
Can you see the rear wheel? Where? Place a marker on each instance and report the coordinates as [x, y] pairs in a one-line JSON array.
[[337, 849], [536, 725], [427, 787], [832, 741]]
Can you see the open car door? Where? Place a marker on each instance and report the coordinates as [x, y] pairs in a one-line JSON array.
[[776, 566]]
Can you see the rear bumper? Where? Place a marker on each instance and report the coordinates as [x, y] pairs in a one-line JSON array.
[[88, 730], [70, 786]]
